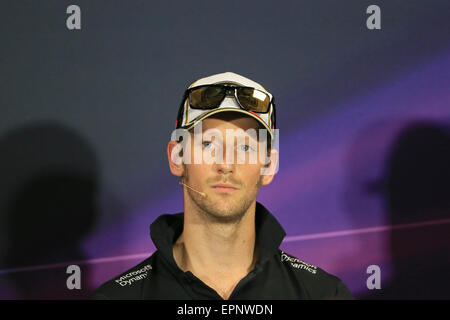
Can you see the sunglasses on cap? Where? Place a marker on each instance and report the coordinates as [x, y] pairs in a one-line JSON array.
[[202, 101], [206, 97]]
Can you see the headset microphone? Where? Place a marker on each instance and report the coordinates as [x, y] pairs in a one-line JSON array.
[[201, 193]]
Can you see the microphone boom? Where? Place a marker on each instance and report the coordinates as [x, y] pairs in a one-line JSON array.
[[201, 193]]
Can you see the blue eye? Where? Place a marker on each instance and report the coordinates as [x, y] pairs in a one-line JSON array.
[[245, 147], [207, 144]]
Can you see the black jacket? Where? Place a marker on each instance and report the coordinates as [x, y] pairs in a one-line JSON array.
[[277, 275]]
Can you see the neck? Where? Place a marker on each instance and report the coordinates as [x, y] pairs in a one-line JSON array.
[[207, 246]]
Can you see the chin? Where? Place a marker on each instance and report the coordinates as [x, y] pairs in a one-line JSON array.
[[228, 217], [226, 209]]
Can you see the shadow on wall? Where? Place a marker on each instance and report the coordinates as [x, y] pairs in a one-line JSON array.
[[48, 206], [415, 188]]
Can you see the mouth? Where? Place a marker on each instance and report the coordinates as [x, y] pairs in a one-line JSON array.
[[223, 188]]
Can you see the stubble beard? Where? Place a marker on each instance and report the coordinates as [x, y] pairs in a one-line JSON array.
[[225, 210]]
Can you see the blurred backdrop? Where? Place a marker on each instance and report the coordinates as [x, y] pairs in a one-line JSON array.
[[364, 119]]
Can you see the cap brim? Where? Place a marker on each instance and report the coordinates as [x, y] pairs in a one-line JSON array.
[[219, 110]]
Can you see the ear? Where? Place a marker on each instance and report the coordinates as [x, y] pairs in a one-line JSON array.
[[174, 150], [269, 170]]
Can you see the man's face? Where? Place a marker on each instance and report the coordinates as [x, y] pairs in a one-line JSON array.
[[230, 188]]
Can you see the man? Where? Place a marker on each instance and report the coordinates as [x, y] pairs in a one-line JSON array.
[[225, 245]]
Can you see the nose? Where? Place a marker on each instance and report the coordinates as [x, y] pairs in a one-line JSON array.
[[224, 166]]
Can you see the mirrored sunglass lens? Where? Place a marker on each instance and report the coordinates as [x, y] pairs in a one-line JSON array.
[[206, 97], [253, 99]]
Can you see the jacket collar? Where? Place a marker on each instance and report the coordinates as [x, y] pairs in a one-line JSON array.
[[166, 229]]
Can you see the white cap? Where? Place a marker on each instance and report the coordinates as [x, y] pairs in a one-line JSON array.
[[193, 116]]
